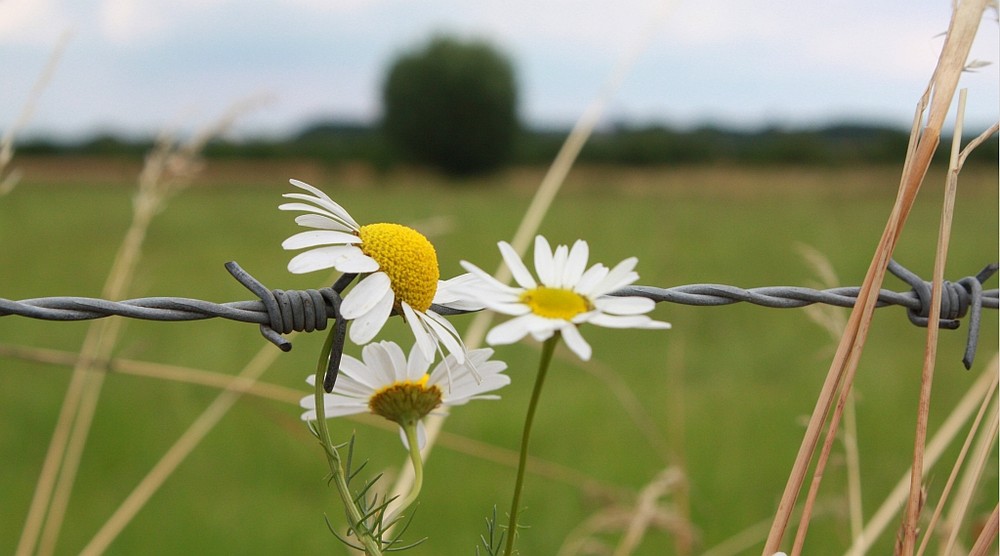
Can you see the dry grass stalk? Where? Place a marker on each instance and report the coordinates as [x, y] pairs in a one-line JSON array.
[[959, 461], [751, 536], [853, 466], [684, 545], [909, 528], [633, 519], [158, 371], [975, 143], [80, 402], [956, 163], [742, 541], [827, 448], [179, 451], [924, 141], [9, 179], [647, 508], [965, 493], [829, 317], [832, 319], [899, 547], [975, 397], [168, 168], [988, 535]]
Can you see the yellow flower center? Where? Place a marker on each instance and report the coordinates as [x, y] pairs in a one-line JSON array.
[[407, 257], [555, 303], [405, 402]]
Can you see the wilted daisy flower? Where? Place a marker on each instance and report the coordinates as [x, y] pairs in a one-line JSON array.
[[389, 384], [398, 264], [566, 294]]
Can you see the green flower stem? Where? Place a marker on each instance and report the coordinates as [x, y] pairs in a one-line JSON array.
[[543, 366], [372, 546], [410, 429]]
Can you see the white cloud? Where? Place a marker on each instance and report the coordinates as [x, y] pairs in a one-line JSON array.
[[595, 23], [125, 22], [31, 22]]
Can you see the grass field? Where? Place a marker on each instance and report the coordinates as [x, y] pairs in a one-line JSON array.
[[721, 397]]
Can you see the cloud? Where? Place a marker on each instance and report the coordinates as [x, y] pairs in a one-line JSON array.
[[132, 22], [127, 21], [31, 22]]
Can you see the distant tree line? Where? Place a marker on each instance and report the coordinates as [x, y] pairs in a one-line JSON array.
[[338, 142], [451, 104]]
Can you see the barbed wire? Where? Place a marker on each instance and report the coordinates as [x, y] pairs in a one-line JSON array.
[[281, 312]]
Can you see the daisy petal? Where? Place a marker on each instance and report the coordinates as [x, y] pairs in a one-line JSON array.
[[507, 332], [543, 261], [576, 263], [542, 327], [356, 373], [357, 262], [321, 258], [310, 415], [520, 272], [559, 257], [424, 340], [505, 306], [381, 361], [366, 295], [310, 188], [355, 386], [626, 321], [446, 333], [416, 365], [421, 436], [311, 209], [397, 359], [453, 293], [487, 279], [341, 409], [321, 222], [624, 305], [324, 200], [313, 238], [367, 325], [576, 343], [590, 278], [619, 276]]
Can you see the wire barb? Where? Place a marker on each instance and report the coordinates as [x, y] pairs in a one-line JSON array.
[[957, 298], [289, 311]]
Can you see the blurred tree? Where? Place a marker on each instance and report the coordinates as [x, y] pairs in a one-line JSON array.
[[452, 105]]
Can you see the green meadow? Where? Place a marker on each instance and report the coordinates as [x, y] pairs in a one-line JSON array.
[[721, 399]]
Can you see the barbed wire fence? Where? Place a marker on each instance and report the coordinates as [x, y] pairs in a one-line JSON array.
[[281, 312]]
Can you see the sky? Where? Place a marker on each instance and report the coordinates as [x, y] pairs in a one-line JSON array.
[[139, 66]]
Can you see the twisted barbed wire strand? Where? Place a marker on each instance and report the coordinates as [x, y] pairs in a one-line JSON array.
[[281, 312]]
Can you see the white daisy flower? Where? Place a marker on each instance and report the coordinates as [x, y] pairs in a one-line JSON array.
[[398, 265], [389, 384], [566, 295]]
